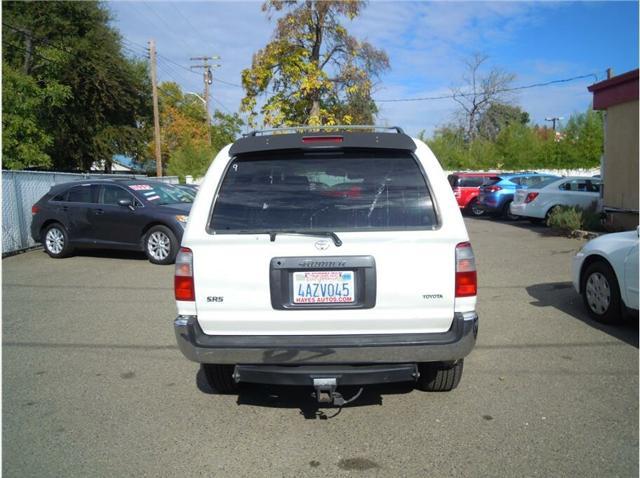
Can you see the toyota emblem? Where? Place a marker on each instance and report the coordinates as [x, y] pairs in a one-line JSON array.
[[322, 245]]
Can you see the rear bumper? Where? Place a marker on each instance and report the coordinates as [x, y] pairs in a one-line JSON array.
[[519, 209], [343, 374], [454, 344], [490, 205]]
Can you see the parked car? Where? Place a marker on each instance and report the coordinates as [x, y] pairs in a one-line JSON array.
[[466, 187], [496, 197], [130, 214], [536, 203], [605, 273], [326, 259]]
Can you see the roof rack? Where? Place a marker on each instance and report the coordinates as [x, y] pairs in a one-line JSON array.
[[325, 129]]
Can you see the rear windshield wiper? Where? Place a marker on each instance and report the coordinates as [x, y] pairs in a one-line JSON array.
[[332, 235]]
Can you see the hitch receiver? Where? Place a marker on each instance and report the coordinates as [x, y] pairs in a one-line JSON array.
[[326, 390]]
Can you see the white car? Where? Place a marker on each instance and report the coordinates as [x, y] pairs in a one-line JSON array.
[[605, 273], [326, 258], [537, 203]]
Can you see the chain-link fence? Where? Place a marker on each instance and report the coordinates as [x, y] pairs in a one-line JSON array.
[[22, 189]]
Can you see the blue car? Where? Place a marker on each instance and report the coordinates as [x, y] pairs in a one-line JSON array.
[[495, 197]]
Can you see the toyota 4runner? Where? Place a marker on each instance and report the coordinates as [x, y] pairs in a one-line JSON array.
[[326, 257]]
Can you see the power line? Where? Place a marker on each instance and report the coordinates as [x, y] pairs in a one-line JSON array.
[[503, 90], [23, 50], [222, 104], [226, 82], [175, 7], [169, 28]]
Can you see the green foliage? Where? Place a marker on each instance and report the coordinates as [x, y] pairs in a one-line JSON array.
[[313, 71], [184, 131], [519, 146], [225, 129], [24, 141], [567, 218], [102, 101], [497, 117], [583, 142], [190, 159]]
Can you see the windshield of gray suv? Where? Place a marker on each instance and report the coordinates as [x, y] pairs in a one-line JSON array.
[[162, 194], [323, 192]]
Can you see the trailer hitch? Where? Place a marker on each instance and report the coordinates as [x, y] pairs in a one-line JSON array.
[[325, 392]]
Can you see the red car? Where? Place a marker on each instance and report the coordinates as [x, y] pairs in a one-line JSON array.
[[466, 187]]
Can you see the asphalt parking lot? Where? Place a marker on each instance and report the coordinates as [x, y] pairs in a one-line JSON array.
[[93, 384]]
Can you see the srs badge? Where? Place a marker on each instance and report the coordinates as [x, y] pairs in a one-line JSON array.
[[322, 245]]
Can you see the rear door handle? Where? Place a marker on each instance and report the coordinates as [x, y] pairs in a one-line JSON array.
[[65, 208], [98, 211]]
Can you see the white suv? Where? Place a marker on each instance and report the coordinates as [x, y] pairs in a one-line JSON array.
[[326, 258]]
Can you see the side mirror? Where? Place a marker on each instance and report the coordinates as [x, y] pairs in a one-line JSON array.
[[126, 203]]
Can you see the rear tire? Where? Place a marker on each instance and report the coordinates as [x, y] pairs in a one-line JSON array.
[[440, 377], [55, 241], [601, 293], [220, 378], [473, 209], [548, 215]]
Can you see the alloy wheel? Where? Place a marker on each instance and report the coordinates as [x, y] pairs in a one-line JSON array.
[[54, 240], [159, 245]]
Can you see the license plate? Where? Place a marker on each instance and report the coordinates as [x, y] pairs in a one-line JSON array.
[[323, 287]]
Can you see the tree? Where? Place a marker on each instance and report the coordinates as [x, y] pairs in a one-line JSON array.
[[479, 92], [313, 71], [184, 144], [225, 129], [24, 140], [582, 140], [107, 103], [496, 117]]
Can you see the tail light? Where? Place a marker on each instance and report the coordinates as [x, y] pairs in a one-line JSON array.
[[466, 277], [183, 280], [322, 139], [456, 191], [492, 189], [35, 209], [530, 197]]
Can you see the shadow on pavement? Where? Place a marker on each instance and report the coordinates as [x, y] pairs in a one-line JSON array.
[[284, 396], [539, 228], [109, 254], [563, 297]]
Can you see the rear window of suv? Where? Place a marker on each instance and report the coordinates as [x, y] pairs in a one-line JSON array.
[[323, 192]]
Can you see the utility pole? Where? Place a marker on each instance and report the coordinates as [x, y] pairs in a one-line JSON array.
[[554, 120], [156, 112], [208, 80]]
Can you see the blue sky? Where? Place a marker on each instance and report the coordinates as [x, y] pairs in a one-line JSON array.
[[427, 43]]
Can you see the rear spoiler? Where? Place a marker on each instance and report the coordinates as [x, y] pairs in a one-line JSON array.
[[323, 138]]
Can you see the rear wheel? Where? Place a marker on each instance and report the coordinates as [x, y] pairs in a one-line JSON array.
[[56, 241], [220, 377], [601, 293], [473, 208], [440, 377], [547, 216]]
